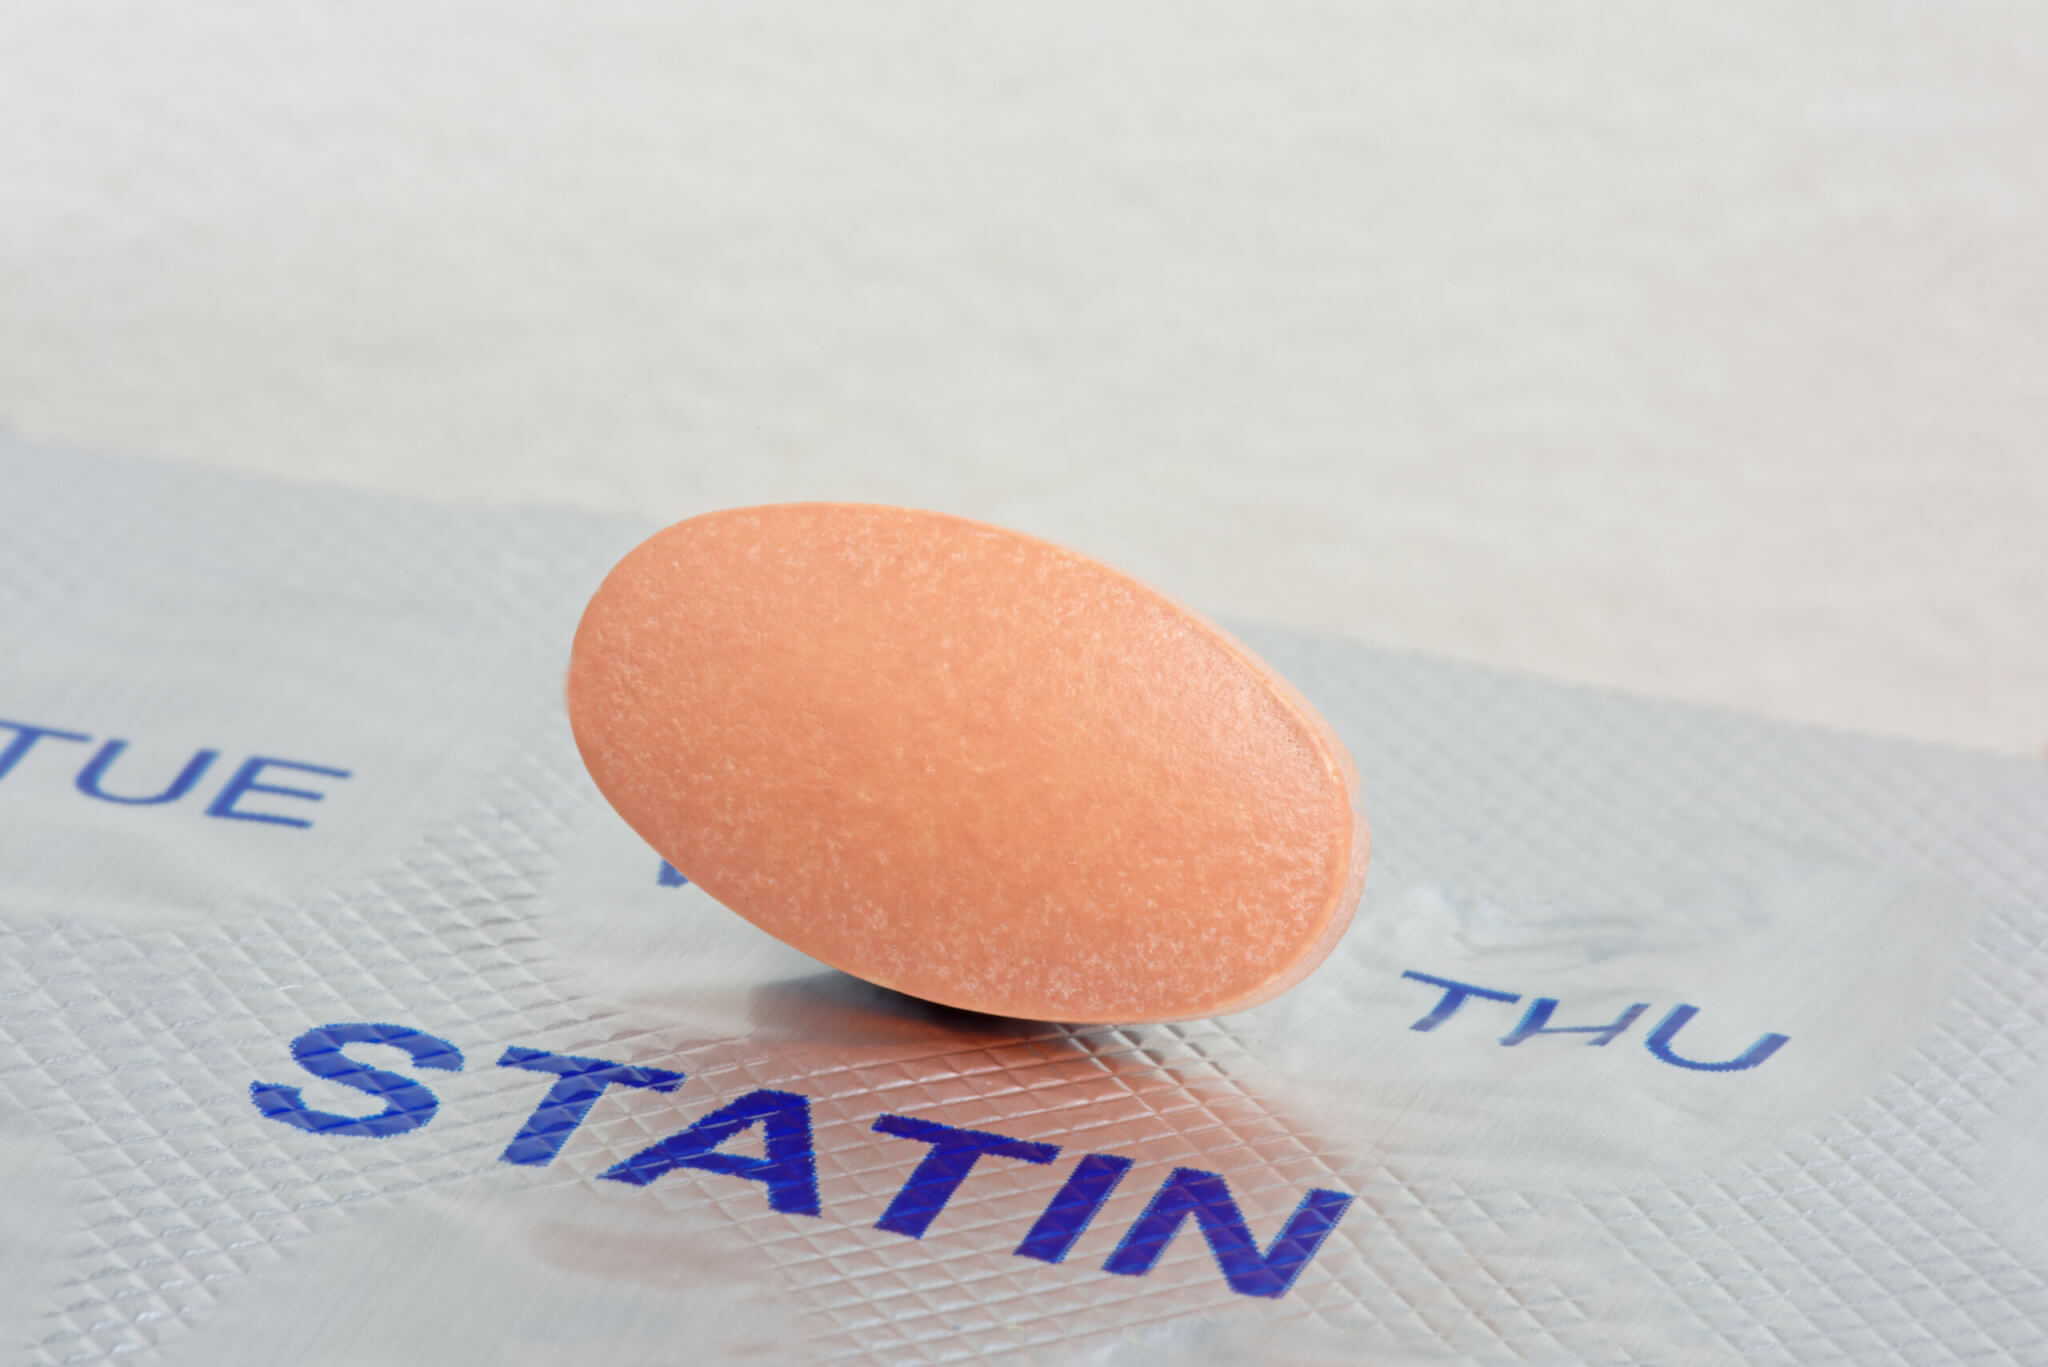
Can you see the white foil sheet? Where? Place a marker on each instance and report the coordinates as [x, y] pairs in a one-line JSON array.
[[1820, 1138]]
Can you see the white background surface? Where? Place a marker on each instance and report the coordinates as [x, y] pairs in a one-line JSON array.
[[1695, 350]]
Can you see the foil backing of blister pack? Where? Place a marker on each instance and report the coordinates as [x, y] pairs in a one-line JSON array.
[[1538, 1078]]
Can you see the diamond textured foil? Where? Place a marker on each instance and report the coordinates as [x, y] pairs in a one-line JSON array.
[[1528, 1167]]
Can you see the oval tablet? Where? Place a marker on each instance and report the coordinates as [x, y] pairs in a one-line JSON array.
[[967, 764]]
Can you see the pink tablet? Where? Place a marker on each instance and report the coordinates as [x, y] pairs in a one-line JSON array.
[[967, 764]]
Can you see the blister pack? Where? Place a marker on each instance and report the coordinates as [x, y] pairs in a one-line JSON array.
[[341, 1022]]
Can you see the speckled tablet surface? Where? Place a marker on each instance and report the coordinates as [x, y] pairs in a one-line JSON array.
[[967, 764]]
